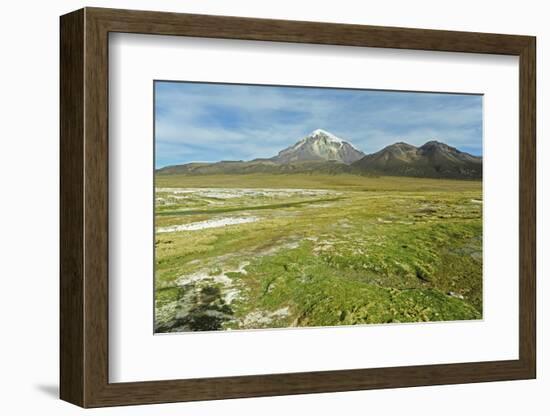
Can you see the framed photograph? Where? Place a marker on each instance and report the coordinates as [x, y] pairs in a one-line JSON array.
[[255, 207]]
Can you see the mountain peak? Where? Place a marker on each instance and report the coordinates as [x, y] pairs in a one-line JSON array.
[[319, 145], [434, 146], [400, 145], [435, 143], [327, 134]]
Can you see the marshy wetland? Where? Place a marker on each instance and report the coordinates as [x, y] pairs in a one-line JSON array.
[[252, 251]]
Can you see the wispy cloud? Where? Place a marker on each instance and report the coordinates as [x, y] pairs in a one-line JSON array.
[[211, 122]]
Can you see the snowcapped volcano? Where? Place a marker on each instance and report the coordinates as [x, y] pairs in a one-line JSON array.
[[319, 145], [323, 133], [321, 152]]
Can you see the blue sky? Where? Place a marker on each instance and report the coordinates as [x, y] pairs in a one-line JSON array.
[[211, 122]]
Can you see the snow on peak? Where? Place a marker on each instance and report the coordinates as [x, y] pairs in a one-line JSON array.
[[322, 132], [331, 137]]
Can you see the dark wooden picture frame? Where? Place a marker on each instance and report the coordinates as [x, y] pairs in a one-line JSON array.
[[84, 207]]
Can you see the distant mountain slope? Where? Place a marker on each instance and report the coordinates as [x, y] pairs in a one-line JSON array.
[[256, 166], [431, 160], [319, 145], [322, 152]]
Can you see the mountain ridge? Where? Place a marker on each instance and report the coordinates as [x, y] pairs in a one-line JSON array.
[[323, 152], [433, 159]]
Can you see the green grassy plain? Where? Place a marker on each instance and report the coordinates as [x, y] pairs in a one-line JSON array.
[[315, 250]]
